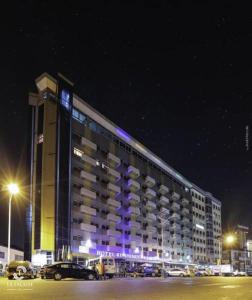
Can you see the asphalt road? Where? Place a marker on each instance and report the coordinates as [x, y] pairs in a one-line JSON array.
[[214, 288]]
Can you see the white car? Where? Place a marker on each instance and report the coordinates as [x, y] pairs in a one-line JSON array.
[[239, 273], [177, 272]]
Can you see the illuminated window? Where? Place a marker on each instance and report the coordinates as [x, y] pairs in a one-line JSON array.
[[65, 99], [78, 152], [40, 138]]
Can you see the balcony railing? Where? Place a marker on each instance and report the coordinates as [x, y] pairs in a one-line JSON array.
[[175, 227], [88, 143], [88, 210], [87, 193], [175, 216], [185, 220], [149, 181], [175, 196], [185, 211], [133, 172], [113, 188], [163, 200], [151, 205], [151, 217], [185, 201], [113, 232], [89, 160], [149, 193], [113, 203], [163, 189], [175, 206], [87, 227], [113, 160], [133, 198], [113, 217], [113, 174], [134, 210], [151, 229], [133, 185], [134, 224], [88, 176]]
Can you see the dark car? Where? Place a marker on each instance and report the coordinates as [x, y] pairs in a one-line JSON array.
[[59, 271], [152, 272], [135, 272]]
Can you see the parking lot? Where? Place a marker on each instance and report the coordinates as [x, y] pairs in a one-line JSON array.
[[216, 288]]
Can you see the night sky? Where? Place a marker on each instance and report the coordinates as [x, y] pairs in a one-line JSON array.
[[177, 77]]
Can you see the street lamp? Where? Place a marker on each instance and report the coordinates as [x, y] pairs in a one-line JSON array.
[[230, 239], [13, 189]]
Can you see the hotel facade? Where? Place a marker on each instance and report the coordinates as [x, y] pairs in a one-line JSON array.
[[95, 190]]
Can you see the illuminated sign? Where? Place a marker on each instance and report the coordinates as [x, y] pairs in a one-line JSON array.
[[200, 226]]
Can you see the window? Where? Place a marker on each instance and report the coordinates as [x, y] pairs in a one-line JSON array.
[[2, 254], [19, 257], [78, 116], [78, 152], [65, 266], [65, 99]]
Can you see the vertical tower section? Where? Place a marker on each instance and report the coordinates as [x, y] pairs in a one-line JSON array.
[[50, 167]]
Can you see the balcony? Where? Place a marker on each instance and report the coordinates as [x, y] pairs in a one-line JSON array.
[[175, 216], [163, 189], [134, 210], [151, 217], [175, 196], [165, 211], [151, 229], [175, 206], [175, 227], [113, 174], [88, 176], [113, 203], [87, 159], [133, 172], [114, 218], [151, 205], [87, 193], [133, 185], [133, 198], [88, 210], [151, 242], [134, 224], [113, 160], [113, 232], [87, 227], [87, 143], [186, 230], [185, 220], [175, 237], [164, 200], [149, 181], [185, 201], [149, 193], [135, 238], [113, 188], [185, 211]]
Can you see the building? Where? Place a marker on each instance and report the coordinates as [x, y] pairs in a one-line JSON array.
[[239, 253], [95, 190], [15, 254]]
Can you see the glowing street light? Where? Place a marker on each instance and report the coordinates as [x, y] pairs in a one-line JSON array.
[[13, 189], [230, 239]]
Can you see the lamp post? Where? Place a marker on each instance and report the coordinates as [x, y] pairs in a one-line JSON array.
[[13, 189]]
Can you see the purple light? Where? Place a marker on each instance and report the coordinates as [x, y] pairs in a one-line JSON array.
[[123, 134]]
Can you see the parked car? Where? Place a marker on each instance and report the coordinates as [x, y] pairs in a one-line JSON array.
[[63, 270], [239, 273], [42, 271], [177, 272], [21, 269], [135, 272], [202, 272], [152, 272]]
